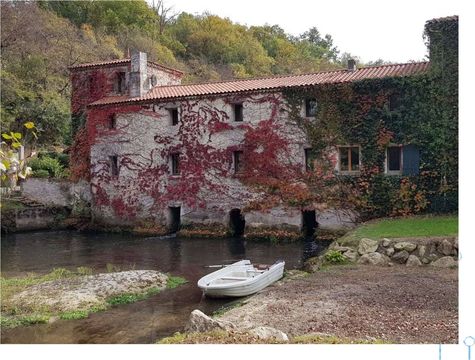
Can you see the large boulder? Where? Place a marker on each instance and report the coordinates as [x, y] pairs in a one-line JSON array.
[[400, 257], [265, 332], [386, 242], [413, 260], [367, 246], [445, 262], [389, 251], [405, 245], [374, 258], [200, 322], [445, 247]]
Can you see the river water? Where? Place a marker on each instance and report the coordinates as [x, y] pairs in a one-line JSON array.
[[145, 321]]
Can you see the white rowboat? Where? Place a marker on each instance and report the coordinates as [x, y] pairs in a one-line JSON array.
[[240, 279]]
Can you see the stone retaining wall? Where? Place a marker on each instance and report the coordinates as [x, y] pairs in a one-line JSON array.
[[439, 252]]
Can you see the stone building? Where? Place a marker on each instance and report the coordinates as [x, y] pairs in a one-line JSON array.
[[158, 151]]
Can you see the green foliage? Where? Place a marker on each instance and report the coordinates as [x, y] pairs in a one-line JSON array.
[[43, 164], [74, 315], [132, 297], [334, 257], [175, 281]]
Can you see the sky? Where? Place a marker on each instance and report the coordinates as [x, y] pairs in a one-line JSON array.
[[390, 30]]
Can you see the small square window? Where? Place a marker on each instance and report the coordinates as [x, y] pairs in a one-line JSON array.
[[120, 83], [112, 121], [394, 159], [310, 107], [114, 165], [238, 113], [349, 158], [175, 162], [174, 116], [237, 159]]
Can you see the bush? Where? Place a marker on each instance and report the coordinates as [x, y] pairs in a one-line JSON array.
[[48, 164], [40, 173], [62, 158], [334, 257]]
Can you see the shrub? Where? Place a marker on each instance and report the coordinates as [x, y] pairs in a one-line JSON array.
[[40, 173], [334, 257], [46, 163]]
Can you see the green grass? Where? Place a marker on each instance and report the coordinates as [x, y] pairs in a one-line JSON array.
[[132, 297], [411, 227], [74, 315], [175, 281]]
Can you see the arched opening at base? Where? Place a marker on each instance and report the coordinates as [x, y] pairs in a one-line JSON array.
[[309, 223], [174, 218], [237, 223]]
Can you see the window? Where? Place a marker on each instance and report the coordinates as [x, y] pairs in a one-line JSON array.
[[349, 158], [238, 112], [112, 121], [310, 107], [174, 116], [237, 159], [175, 159], [120, 82], [114, 164], [394, 159], [309, 159]]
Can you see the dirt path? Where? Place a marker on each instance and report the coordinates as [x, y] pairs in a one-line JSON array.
[[396, 304]]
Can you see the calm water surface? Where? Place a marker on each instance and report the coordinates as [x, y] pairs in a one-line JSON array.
[[148, 320]]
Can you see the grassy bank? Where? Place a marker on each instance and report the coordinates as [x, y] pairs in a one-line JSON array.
[[13, 316], [411, 227]]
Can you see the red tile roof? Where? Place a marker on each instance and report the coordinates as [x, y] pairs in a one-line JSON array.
[[270, 83], [121, 62]]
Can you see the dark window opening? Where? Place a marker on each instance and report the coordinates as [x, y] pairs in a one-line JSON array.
[[394, 102], [174, 116], [120, 82], [238, 112], [349, 158], [394, 155], [112, 121], [237, 223], [310, 107], [175, 159], [309, 223], [174, 221], [114, 163], [237, 159], [309, 159]]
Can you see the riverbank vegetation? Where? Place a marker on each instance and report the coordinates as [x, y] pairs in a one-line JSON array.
[[16, 314], [406, 227]]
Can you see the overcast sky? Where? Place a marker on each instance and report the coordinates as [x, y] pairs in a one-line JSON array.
[[391, 30]]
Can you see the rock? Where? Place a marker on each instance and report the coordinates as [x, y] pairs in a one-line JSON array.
[[374, 258], [265, 332], [445, 247], [342, 249], [386, 242], [413, 260], [432, 257], [367, 246], [445, 262], [421, 250], [456, 243], [425, 260], [390, 251], [351, 255], [313, 264], [405, 245], [400, 257], [200, 322]]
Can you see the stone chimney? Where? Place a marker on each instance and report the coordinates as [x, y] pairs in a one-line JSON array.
[[138, 83], [351, 64]]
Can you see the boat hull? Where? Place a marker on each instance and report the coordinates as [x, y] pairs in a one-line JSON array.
[[241, 287]]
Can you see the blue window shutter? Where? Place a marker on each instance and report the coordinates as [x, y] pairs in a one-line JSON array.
[[410, 160]]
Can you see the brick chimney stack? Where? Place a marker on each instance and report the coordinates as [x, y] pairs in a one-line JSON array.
[[138, 85]]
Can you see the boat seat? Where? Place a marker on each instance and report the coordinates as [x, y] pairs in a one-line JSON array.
[[234, 278], [256, 271]]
